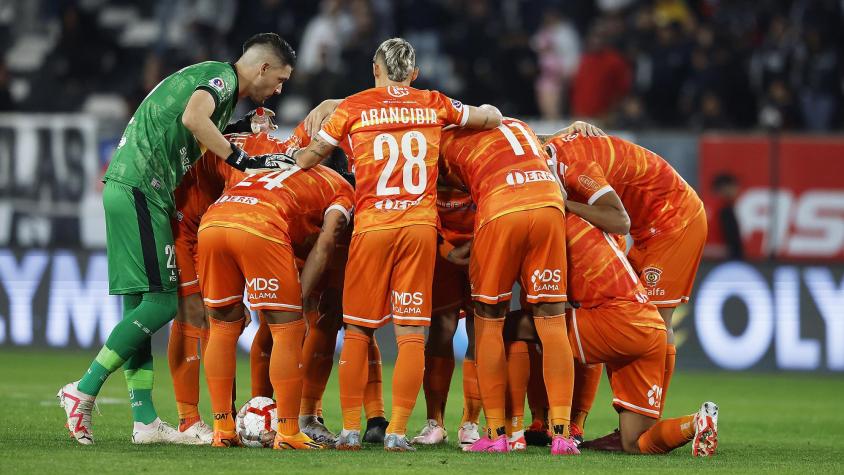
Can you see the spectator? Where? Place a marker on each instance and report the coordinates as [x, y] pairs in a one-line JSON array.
[[819, 81], [6, 103], [726, 188], [778, 110], [557, 46], [711, 114], [602, 80]]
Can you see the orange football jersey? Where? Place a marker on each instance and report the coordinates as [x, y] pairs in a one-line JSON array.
[[393, 134], [656, 197], [282, 206], [504, 168], [597, 268], [456, 211]]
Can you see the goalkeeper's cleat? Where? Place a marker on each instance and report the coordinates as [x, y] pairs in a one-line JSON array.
[[316, 430], [376, 429], [608, 443], [78, 407], [226, 438], [468, 434], [537, 434], [432, 434], [299, 441], [397, 443], [706, 430], [348, 440], [499, 444], [201, 432], [576, 433], [160, 432], [517, 441], [563, 446]]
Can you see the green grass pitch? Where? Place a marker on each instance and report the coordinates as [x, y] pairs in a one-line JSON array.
[[768, 422]]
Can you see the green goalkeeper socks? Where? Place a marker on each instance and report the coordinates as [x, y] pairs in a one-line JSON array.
[[139, 381]]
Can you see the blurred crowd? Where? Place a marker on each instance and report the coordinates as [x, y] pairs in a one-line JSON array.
[[690, 64]]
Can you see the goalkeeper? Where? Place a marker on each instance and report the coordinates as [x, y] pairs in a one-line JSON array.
[[180, 118]]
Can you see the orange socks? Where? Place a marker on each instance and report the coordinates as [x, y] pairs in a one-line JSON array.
[[438, 372], [492, 371], [670, 359], [471, 393], [537, 396], [557, 369], [183, 356], [220, 368], [586, 381], [353, 373], [407, 380], [286, 373], [667, 434], [317, 359], [373, 399], [259, 361], [518, 374]]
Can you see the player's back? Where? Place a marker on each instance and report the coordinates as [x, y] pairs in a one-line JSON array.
[[393, 134], [457, 212], [283, 206], [597, 269], [504, 168], [656, 197]]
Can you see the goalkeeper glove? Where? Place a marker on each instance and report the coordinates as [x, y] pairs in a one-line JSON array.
[[242, 161]]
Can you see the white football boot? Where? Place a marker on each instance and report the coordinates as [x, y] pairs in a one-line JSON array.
[[78, 407], [468, 434], [706, 430], [160, 432], [431, 434], [397, 443], [201, 433]]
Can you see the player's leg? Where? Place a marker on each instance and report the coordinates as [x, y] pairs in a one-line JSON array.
[[140, 249], [366, 307], [373, 398], [587, 378], [317, 360], [543, 279], [518, 332], [468, 433], [537, 433], [439, 368], [410, 284], [259, 359]]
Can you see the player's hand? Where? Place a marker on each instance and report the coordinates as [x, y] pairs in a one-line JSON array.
[[252, 123], [584, 128], [269, 161], [460, 255], [315, 118]]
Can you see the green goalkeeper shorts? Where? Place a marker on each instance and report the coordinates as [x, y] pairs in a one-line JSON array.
[[139, 242]]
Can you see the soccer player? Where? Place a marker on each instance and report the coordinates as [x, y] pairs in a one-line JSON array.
[[394, 132], [613, 323], [247, 238], [179, 118], [200, 187], [621, 187], [519, 236], [450, 301]]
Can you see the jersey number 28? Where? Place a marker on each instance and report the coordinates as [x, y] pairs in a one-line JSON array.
[[411, 161]]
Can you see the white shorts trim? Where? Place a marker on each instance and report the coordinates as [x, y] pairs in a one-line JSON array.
[[418, 319], [618, 401], [366, 320], [226, 299], [270, 304], [539, 296], [194, 281], [663, 302], [577, 335], [601, 192], [324, 136], [490, 297]]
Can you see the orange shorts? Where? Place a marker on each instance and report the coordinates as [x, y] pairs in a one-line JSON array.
[[186, 259], [528, 246], [667, 263], [230, 259], [626, 337], [451, 287], [389, 275]]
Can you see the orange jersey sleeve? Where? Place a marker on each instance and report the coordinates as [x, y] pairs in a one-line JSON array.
[[504, 168], [598, 272], [656, 197], [282, 206], [393, 135]]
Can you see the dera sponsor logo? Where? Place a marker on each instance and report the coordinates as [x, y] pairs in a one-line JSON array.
[[587, 182], [518, 177]]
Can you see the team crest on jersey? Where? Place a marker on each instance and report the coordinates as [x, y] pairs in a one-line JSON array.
[[457, 104], [587, 182], [571, 136], [652, 275], [217, 83], [398, 91]]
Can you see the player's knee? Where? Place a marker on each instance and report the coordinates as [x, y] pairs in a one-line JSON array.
[[548, 309], [192, 311], [630, 446], [402, 330], [281, 317], [486, 310], [166, 305]]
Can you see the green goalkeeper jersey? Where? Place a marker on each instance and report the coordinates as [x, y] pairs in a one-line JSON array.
[[156, 149]]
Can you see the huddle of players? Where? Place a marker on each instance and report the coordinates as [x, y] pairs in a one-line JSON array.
[[498, 193]]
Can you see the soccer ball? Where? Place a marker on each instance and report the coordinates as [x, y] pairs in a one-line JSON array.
[[256, 421]]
